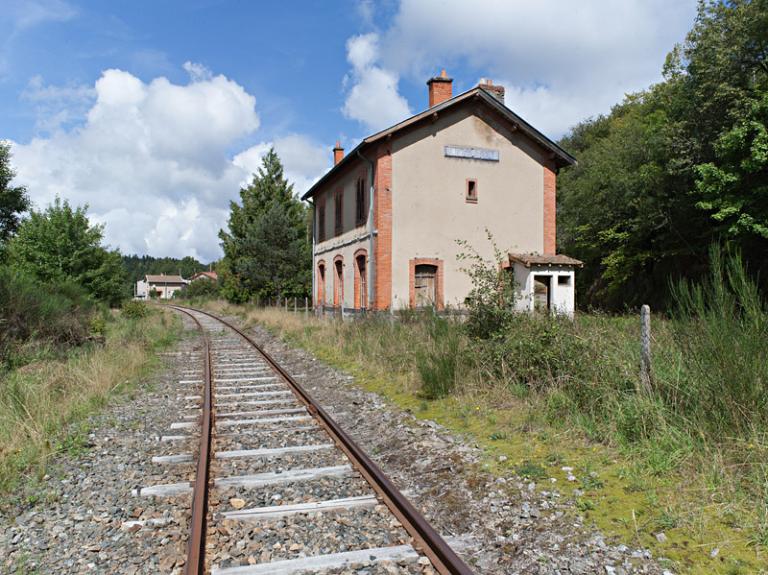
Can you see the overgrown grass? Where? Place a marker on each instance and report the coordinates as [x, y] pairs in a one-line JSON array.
[[41, 402], [677, 460]]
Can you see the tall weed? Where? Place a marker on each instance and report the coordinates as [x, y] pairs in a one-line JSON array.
[[721, 327]]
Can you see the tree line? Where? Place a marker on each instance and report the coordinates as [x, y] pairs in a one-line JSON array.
[[674, 168]]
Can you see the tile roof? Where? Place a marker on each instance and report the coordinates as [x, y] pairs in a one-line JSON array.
[[560, 155], [544, 260], [164, 279]]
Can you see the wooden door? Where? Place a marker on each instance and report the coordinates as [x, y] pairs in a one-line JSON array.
[[425, 285]]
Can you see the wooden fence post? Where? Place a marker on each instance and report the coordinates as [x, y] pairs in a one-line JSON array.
[[645, 349], [306, 306]]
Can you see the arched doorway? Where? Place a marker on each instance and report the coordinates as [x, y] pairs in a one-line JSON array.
[[338, 282]]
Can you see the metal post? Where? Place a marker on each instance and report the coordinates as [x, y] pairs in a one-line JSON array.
[[285, 301], [306, 306], [295, 309], [645, 349]]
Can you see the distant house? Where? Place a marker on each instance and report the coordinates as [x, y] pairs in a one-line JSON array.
[[387, 216], [204, 276], [163, 285]]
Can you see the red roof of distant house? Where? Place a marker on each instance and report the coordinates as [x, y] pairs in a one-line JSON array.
[[210, 275]]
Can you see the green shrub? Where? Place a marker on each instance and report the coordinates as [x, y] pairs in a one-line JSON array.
[[199, 289], [135, 309], [29, 310]]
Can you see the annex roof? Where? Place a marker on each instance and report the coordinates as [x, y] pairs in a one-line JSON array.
[[164, 279], [562, 158], [529, 260]]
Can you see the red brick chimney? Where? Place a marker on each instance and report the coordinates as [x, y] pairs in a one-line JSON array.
[[338, 153], [495, 91], [440, 89]]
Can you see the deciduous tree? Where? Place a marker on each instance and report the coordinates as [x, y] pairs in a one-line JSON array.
[[59, 245], [13, 199]]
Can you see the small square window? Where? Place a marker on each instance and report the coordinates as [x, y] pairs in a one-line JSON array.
[[563, 280], [471, 191]]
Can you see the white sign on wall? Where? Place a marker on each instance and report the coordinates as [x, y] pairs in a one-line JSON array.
[[472, 153]]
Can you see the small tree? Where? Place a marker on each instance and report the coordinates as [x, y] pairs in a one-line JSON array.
[[491, 302]]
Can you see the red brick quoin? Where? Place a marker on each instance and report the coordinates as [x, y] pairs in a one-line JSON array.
[[550, 211]]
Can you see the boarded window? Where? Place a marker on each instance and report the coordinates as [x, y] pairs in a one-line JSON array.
[[425, 285], [321, 222], [338, 226], [361, 204], [321, 284], [471, 191], [362, 283], [338, 283]]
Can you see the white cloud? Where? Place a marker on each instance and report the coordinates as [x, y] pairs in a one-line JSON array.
[[57, 106], [373, 98], [153, 160], [561, 61], [303, 159], [25, 14]]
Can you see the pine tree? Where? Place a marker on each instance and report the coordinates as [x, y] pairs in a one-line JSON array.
[[266, 248]]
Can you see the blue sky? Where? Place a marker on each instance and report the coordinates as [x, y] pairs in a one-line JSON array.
[[154, 113]]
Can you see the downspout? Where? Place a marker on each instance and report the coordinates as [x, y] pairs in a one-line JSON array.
[[371, 267]]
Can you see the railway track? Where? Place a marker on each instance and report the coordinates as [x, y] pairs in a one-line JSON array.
[[279, 488]]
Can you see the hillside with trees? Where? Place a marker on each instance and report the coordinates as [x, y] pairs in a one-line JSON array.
[[136, 267], [674, 168]]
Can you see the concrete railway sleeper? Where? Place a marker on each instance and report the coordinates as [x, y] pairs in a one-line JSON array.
[[279, 487]]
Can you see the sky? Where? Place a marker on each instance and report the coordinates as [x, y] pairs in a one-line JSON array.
[[155, 113]]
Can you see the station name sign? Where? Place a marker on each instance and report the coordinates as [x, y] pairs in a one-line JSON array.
[[472, 153]]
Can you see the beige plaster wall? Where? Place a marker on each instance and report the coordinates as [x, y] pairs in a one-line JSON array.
[[429, 209]]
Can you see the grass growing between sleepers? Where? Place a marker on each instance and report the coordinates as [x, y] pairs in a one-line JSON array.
[[44, 404], [639, 471]]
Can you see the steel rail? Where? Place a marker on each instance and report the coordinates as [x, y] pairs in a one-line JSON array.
[[195, 563], [426, 539]]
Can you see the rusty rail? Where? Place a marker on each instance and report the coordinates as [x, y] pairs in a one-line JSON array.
[[426, 539], [195, 563]]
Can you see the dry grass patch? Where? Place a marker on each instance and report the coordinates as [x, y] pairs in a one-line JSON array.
[[40, 401]]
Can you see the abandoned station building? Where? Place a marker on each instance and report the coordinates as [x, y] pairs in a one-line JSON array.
[[388, 215]]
